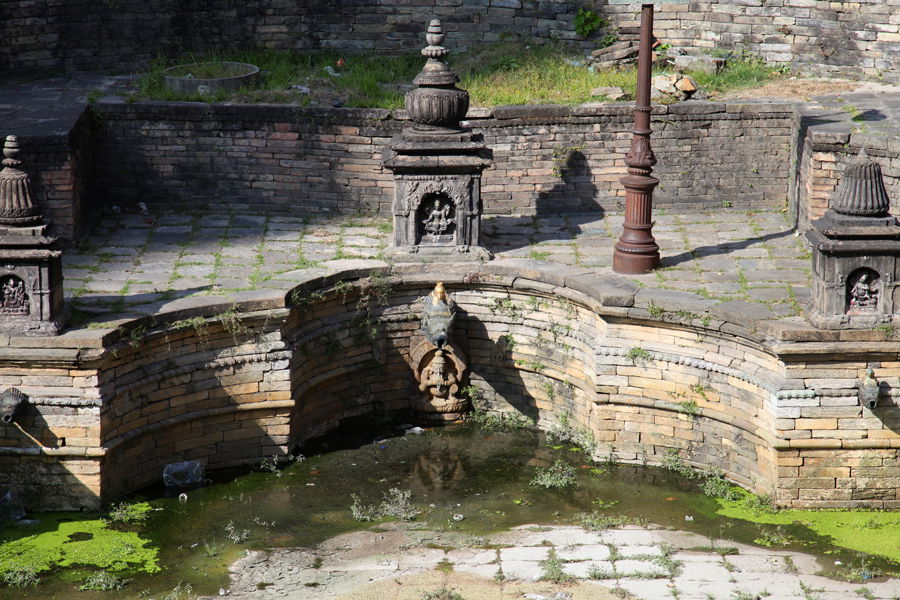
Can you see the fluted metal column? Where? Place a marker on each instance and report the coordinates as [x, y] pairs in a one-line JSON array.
[[636, 251]]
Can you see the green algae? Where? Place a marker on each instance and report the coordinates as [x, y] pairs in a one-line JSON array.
[[59, 541], [869, 531], [483, 476]]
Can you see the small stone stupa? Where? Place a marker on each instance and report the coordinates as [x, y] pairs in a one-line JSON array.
[[31, 292], [856, 253], [437, 168]]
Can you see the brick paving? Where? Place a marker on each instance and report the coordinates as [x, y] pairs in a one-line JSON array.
[[133, 263]]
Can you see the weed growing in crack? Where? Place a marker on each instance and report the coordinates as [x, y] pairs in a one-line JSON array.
[[552, 568]]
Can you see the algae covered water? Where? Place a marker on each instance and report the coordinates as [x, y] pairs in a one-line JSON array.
[[458, 478]]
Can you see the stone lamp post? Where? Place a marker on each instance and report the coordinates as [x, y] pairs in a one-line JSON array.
[[437, 167], [31, 292], [636, 251]]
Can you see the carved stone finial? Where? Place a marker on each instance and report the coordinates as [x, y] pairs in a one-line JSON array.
[[437, 103], [17, 206], [861, 192]]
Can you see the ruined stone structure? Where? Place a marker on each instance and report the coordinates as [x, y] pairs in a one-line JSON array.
[[437, 168], [856, 247], [31, 294]]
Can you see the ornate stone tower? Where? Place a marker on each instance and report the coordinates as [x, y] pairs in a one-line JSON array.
[[437, 168], [856, 253], [31, 292]]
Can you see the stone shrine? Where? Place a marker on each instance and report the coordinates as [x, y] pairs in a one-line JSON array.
[[31, 292], [856, 247], [437, 168]]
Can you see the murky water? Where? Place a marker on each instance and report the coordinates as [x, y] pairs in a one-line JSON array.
[[453, 472]]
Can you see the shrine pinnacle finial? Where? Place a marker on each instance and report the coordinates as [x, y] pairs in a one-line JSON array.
[[861, 192], [436, 104], [17, 206], [435, 37]]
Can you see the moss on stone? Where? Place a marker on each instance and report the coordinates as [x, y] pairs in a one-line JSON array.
[[64, 540]]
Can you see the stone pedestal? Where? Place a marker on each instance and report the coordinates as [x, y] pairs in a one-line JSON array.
[[31, 292], [437, 169], [437, 199]]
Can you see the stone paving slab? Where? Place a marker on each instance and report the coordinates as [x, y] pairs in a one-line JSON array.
[[355, 559], [711, 257]]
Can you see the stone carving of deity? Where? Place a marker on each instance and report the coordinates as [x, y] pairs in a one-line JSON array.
[[438, 220], [14, 298], [864, 292], [438, 378]]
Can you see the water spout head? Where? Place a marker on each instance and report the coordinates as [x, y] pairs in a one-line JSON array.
[[10, 402], [869, 390]]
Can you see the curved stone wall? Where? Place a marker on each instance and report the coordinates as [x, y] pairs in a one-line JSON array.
[[229, 383]]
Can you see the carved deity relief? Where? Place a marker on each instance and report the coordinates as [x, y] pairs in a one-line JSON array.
[[862, 291], [436, 219], [13, 298], [439, 378]]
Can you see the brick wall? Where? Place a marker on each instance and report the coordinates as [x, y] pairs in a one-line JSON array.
[[124, 35], [216, 391], [845, 38], [850, 38], [108, 409], [546, 158]]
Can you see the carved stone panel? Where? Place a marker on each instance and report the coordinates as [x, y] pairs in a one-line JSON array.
[[14, 300]]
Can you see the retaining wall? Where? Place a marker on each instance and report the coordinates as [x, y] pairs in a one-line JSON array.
[[766, 401], [547, 159], [850, 38]]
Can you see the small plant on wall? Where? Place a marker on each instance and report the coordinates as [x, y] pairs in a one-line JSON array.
[[587, 21]]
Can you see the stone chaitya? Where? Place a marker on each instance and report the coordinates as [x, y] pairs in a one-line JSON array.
[[856, 247], [437, 168], [31, 292]]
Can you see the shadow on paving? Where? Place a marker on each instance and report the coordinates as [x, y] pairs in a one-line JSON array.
[[723, 248]]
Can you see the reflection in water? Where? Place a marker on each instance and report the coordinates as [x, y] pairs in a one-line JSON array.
[[438, 469]]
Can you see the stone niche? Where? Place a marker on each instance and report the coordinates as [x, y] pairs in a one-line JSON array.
[[856, 247]]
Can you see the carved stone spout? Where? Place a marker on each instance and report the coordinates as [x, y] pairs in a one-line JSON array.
[[10, 402], [438, 363], [438, 316]]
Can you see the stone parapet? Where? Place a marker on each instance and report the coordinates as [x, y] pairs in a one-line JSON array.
[[646, 375]]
